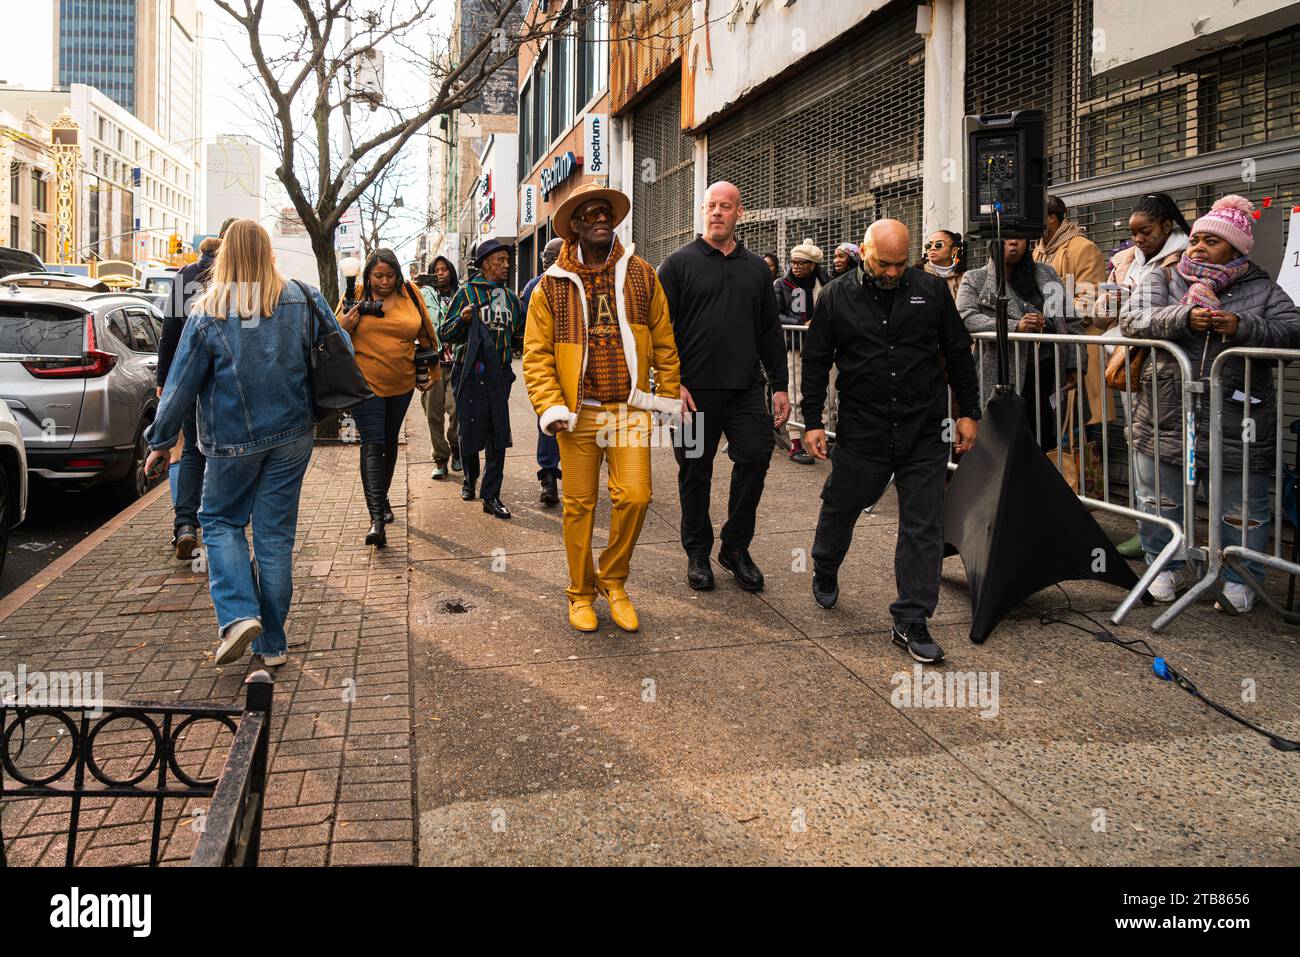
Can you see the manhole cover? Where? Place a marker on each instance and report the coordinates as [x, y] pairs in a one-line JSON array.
[[455, 606]]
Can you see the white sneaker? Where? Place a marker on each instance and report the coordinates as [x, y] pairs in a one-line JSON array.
[[238, 636], [1165, 588], [1241, 598], [275, 661]]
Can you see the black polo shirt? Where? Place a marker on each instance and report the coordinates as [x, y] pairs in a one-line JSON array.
[[723, 310], [897, 352]]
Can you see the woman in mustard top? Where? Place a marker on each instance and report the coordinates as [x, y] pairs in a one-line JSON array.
[[385, 350]]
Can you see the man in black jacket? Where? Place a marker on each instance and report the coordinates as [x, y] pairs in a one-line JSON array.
[[725, 323], [188, 284], [894, 334]]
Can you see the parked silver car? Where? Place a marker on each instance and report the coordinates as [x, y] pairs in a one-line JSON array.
[[77, 364]]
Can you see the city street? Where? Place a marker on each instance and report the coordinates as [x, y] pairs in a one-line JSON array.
[[733, 728], [56, 521]]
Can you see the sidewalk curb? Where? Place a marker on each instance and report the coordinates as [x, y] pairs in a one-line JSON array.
[[51, 572]]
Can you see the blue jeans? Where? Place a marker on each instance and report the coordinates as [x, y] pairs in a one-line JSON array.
[[264, 487], [187, 488], [548, 453], [1156, 537]]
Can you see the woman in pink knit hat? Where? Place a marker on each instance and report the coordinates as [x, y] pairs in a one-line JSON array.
[[1215, 298]]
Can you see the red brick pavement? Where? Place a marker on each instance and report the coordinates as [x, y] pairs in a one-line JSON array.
[[341, 788]]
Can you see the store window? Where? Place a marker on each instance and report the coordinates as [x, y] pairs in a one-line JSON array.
[[40, 192], [593, 59]]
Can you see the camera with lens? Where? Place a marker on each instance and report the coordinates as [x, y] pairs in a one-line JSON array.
[[366, 307], [427, 358]]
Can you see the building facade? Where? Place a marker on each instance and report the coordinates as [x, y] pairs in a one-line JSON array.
[[828, 116], [28, 193], [136, 187], [458, 139], [565, 134], [144, 55]]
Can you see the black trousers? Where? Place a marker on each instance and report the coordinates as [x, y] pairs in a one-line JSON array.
[[494, 455], [742, 416], [856, 482], [379, 420]]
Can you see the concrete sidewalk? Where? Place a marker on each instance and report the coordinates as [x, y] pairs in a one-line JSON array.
[[444, 712]]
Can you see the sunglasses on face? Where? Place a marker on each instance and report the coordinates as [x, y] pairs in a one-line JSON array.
[[594, 214], [937, 244]]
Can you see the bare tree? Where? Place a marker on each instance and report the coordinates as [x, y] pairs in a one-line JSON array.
[[383, 207], [304, 71]]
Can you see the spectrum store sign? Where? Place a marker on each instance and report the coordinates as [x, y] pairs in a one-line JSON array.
[[561, 168]]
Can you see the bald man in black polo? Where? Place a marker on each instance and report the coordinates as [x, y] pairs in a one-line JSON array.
[[728, 334]]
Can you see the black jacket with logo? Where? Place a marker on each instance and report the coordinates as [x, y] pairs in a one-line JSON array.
[[894, 368]]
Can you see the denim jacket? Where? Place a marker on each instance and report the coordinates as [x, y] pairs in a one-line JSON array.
[[245, 378]]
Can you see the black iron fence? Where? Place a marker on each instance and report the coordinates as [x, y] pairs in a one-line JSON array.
[[33, 765]]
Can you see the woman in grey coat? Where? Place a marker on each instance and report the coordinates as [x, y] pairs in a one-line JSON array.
[[1214, 299], [1036, 303]]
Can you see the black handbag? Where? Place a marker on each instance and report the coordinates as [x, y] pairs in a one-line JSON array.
[[332, 371]]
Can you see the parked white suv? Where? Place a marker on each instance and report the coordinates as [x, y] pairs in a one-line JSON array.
[[13, 478]]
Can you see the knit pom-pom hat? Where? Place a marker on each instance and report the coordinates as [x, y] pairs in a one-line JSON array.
[[1229, 219]]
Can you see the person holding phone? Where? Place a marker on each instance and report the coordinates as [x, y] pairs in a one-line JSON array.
[[1215, 299], [385, 339], [1035, 304]]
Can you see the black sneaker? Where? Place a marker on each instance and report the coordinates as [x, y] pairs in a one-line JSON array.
[[914, 638], [826, 589]]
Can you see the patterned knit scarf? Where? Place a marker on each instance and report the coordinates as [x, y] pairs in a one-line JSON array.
[[606, 378], [1207, 280], [596, 278]]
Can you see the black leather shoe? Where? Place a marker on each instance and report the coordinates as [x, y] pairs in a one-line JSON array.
[[467, 490], [550, 494], [187, 540], [388, 513], [743, 568], [496, 508], [826, 589], [377, 535], [699, 573]]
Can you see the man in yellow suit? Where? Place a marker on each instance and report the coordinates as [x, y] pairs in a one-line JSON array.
[[597, 323]]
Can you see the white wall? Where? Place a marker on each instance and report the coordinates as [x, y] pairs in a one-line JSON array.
[[747, 54], [1134, 38], [241, 182]]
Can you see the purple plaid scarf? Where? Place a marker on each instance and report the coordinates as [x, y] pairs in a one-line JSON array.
[[1207, 280]]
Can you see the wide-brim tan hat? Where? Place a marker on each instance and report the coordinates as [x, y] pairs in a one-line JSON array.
[[585, 194]]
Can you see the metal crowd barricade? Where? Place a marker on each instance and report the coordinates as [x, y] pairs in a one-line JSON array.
[[231, 828], [795, 336], [1182, 538], [1236, 555]]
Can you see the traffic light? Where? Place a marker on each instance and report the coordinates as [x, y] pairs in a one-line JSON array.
[[174, 244]]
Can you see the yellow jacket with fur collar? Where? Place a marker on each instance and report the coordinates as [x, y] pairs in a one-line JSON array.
[[555, 341]]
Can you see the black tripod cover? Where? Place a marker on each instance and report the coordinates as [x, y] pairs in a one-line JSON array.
[[1016, 524]]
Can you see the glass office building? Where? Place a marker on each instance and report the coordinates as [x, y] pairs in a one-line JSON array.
[[97, 47]]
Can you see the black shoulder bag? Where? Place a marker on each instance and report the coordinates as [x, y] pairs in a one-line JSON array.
[[332, 371]]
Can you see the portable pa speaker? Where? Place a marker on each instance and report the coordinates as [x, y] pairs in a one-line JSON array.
[[1006, 174]]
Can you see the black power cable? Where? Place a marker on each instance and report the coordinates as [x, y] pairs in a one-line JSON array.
[[1160, 666]]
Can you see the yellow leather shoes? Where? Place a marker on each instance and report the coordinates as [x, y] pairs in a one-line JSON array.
[[621, 609], [582, 616]]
